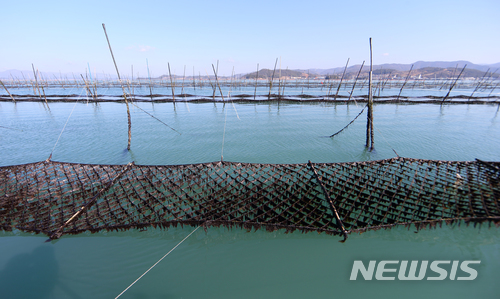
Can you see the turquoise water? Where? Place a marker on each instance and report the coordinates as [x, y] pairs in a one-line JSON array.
[[264, 133], [235, 263]]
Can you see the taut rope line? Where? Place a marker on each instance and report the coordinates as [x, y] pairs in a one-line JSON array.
[[60, 134], [158, 262]]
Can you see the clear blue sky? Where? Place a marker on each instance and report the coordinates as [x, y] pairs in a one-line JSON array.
[[66, 35]]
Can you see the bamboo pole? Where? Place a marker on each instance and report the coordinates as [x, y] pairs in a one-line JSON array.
[[211, 85], [183, 77], [150, 82], [453, 75], [341, 79], [308, 79], [132, 82], [59, 232], [407, 76], [194, 82], [494, 87], [123, 88], [217, 83], [284, 85], [339, 223], [94, 97], [36, 81], [43, 91], [453, 85], [354, 84], [256, 77], [478, 85], [490, 83], [387, 80], [8, 91], [215, 86], [369, 124], [171, 82], [279, 82], [272, 79]]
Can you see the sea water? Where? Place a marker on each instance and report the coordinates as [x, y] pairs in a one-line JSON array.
[[221, 263]]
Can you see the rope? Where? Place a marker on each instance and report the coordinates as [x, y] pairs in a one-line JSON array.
[[223, 135], [349, 123], [386, 141], [50, 156], [155, 118], [229, 95], [11, 128], [225, 118], [157, 262], [331, 136]]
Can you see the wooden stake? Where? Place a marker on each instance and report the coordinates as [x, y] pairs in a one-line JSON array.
[[7, 91], [123, 89], [369, 124], [256, 77], [36, 81], [171, 82], [272, 78], [183, 77], [215, 86], [150, 82], [341, 79], [279, 82], [88, 88], [453, 85], [217, 83], [194, 82], [57, 234], [478, 85], [408, 76], [354, 84]]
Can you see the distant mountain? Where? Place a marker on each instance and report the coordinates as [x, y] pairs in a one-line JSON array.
[[267, 74], [406, 67], [451, 72], [424, 69], [422, 73], [495, 65]]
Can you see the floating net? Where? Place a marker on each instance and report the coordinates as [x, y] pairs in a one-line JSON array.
[[250, 98], [56, 198]]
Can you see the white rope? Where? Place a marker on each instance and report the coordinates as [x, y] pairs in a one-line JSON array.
[[60, 134], [223, 135], [225, 118], [386, 140], [157, 262], [229, 95]]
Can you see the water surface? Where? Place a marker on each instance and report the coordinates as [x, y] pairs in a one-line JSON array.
[[235, 263]]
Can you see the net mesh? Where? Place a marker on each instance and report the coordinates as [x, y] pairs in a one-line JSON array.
[[58, 198]]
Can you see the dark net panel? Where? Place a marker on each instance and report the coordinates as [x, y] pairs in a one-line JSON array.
[[57, 198]]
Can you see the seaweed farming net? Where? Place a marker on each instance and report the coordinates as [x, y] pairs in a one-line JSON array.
[[58, 198], [250, 98]]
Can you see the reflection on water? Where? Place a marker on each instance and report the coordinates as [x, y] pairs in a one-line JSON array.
[[30, 275]]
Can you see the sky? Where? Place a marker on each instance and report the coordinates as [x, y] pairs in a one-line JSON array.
[[67, 36]]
